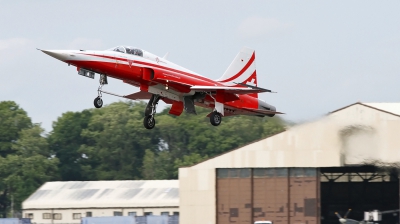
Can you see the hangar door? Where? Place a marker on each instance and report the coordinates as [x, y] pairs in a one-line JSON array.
[[281, 195], [357, 190]]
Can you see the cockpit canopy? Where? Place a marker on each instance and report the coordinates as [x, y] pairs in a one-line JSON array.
[[128, 50]]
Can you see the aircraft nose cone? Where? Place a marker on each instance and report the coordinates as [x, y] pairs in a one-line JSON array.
[[60, 55]]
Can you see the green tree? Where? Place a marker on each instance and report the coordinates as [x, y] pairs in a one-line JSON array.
[[12, 120], [66, 139], [116, 142], [157, 166], [194, 134], [28, 168]]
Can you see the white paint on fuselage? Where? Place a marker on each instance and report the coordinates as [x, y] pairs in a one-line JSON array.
[[148, 58]]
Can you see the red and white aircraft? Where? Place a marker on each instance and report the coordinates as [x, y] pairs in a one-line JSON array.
[[235, 93]]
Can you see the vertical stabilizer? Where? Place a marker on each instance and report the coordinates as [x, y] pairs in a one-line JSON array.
[[241, 70]]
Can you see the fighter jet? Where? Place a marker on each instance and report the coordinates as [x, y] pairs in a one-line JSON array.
[[235, 93]]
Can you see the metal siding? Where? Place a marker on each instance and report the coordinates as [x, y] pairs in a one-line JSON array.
[[234, 200], [223, 201], [304, 197], [267, 197], [270, 195]]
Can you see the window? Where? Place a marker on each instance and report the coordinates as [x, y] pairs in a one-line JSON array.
[[233, 173], [134, 51], [117, 213], [131, 213], [76, 216], [148, 213], [296, 172], [127, 50], [88, 214], [176, 213], [222, 173], [310, 172], [46, 215], [120, 49], [259, 172], [281, 172], [237, 173], [29, 215], [245, 173], [57, 216], [165, 213]]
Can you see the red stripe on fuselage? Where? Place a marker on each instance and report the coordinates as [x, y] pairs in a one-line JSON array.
[[158, 66]]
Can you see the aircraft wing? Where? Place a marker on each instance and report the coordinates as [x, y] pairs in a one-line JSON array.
[[229, 89], [139, 96], [264, 112], [134, 96]]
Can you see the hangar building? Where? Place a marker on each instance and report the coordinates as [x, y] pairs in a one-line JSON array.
[[345, 160], [68, 202]]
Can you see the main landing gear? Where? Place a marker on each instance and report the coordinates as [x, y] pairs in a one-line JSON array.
[[149, 122], [98, 101], [215, 118]]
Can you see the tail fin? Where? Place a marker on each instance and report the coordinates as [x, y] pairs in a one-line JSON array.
[[241, 70]]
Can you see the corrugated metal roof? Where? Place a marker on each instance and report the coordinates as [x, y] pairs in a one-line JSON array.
[[393, 108], [101, 194]]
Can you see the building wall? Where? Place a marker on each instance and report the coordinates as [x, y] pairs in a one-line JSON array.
[[67, 214], [354, 135], [198, 186]]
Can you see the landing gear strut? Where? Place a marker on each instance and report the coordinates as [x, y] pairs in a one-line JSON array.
[[98, 101], [216, 115], [149, 122], [215, 118]]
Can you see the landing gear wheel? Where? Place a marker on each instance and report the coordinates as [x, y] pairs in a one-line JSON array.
[[215, 118], [98, 102], [149, 122]]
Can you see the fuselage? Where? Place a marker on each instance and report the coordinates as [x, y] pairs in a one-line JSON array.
[[152, 74]]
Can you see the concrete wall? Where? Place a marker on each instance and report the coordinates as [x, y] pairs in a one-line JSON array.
[[354, 135], [67, 214]]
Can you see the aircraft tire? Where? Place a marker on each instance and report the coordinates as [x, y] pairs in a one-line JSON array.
[[98, 102], [149, 122], [215, 118]]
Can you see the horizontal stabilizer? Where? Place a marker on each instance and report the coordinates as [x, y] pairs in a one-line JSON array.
[[255, 87], [229, 89]]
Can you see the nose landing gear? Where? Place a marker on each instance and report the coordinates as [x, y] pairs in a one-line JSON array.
[[149, 122], [98, 101]]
